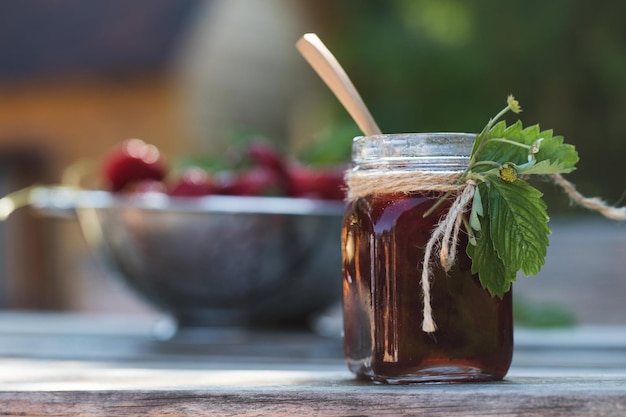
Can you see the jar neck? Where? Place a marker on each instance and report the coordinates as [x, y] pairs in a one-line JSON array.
[[445, 152]]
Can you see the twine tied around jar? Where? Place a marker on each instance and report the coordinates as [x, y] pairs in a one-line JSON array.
[[445, 235]]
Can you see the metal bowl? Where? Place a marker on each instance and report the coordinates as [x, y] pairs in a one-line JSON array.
[[214, 260]]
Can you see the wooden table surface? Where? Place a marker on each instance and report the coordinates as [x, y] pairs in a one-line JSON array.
[[64, 364]]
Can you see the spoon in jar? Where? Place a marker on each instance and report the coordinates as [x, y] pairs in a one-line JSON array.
[[330, 71]]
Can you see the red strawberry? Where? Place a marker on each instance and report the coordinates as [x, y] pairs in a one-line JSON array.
[[264, 155], [326, 184], [193, 182], [259, 181], [145, 186], [133, 161]]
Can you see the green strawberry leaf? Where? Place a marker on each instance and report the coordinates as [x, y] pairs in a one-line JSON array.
[[508, 222], [477, 210], [518, 224], [554, 150], [501, 144], [515, 144], [542, 168], [492, 272]]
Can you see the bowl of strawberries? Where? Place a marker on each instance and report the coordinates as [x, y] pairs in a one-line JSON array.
[[255, 245]]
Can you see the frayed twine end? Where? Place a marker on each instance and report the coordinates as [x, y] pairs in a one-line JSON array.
[[446, 233], [593, 203]]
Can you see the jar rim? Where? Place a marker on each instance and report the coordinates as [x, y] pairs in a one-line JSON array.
[[429, 151]]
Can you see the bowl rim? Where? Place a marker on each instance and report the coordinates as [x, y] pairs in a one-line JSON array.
[[61, 199]]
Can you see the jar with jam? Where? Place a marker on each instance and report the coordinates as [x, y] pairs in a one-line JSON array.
[[395, 194]]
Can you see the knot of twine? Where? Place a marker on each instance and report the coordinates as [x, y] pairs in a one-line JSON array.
[[446, 233]]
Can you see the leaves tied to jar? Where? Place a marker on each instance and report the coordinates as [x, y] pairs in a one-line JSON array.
[[508, 221]]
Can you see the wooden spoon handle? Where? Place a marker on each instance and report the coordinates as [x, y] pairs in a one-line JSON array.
[[331, 72]]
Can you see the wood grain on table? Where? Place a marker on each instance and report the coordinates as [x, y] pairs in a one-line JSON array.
[[79, 365]]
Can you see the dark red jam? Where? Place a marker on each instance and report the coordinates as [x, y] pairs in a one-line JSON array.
[[383, 240]]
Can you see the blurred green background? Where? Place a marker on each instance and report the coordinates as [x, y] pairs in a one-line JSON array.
[[448, 65]]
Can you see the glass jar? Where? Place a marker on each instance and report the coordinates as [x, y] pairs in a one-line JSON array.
[[384, 239]]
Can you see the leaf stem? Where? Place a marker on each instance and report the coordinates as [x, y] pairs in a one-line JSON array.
[[480, 142], [437, 204], [482, 137], [470, 232], [490, 163], [510, 142]]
